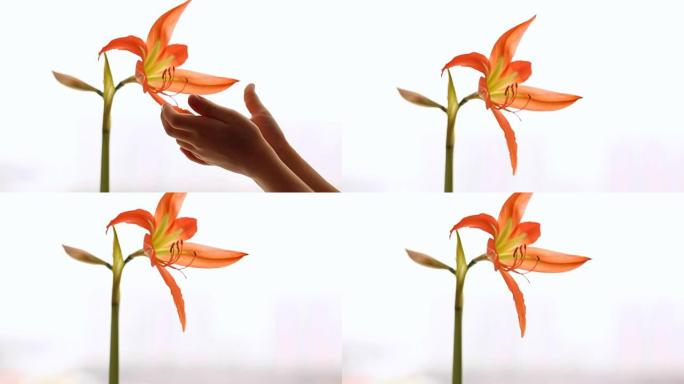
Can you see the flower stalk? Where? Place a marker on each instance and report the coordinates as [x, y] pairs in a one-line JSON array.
[[117, 270], [107, 100], [453, 106], [452, 110], [461, 270], [114, 332], [457, 366], [106, 131]]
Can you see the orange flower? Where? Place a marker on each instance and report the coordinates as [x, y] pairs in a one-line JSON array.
[[165, 243], [500, 86], [508, 248], [157, 70]]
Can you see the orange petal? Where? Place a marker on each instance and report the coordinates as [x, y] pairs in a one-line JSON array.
[[492, 255], [535, 99], [149, 250], [139, 217], [510, 137], [141, 77], [155, 96], [531, 230], [543, 260], [161, 31], [185, 226], [175, 292], [178, 52], [473, 60], [505, 47], [519, 71], [201, 256], [131, 44], [190, 82], [517, 297], [169, 205], [514, 208], [482, 221], [483, 91]]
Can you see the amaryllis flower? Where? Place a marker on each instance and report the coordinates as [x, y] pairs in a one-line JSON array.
[[165, 243], [501, 88], [508, 248], [157, 71]]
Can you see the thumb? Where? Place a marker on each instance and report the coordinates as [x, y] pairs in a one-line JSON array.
[[212, 110], [253, 103]]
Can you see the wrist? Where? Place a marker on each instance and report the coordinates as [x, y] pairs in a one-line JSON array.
[[282, 148], [273, 175]]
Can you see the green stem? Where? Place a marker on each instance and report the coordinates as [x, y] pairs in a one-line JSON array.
[[461, 272], [123, 83], [106, 130], [476, 260], [468, 98], [449, 165], [451, 142], [451, 111], [114, 330], [457, 367], [132, 256], [108, 97]]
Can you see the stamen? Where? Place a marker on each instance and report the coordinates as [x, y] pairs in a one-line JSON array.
[[519, 257], [175, 253], [511, 94], [194, 256]]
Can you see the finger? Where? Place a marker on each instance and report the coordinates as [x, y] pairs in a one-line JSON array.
[[207, 108], [253, 103], [187, 145], [175, 132], [192, 157], [178, 120]]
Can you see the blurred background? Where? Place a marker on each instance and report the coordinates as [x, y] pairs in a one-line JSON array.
[[617, 319], [329, 71], [625, 135], [328, 290], [273, 317], [53, 133]]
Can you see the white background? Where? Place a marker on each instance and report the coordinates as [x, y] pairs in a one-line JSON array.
[[275, 316], [328, 71], [625, 135], [52, 134], [328, 286], [617, 319]]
